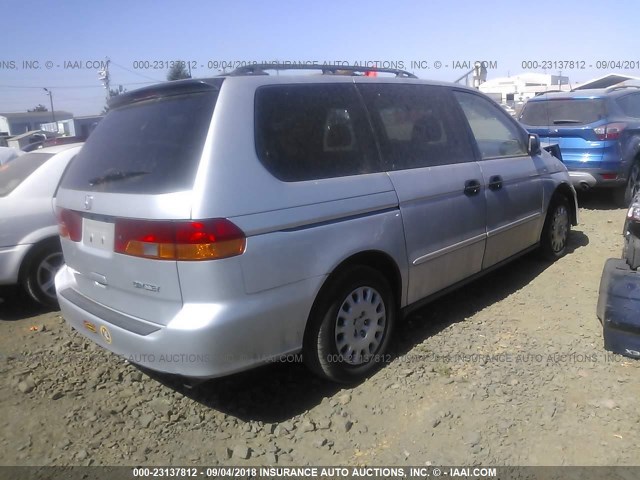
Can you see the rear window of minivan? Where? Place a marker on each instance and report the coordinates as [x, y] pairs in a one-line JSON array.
[[148, 147], [577, 111]]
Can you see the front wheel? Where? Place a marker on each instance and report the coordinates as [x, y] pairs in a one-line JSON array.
[[350, 325], [555, 233]]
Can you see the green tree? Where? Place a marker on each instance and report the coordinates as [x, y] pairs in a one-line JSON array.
[[39, 108], [113, 92], [178, 71]]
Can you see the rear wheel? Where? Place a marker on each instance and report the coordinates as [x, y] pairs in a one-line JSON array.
[[350, 325], [624, 195], [39, 273], [557, 225]]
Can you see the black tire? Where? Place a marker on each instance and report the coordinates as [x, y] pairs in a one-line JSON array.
[[622, 196], [557, 225], [39, 271], [330, 351], [631, 251]]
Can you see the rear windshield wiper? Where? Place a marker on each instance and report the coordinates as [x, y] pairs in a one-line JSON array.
[[561, 122], [115, 176]]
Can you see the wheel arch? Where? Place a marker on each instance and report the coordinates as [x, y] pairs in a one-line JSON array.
[[33, 251], [566, 191], [375, 259]]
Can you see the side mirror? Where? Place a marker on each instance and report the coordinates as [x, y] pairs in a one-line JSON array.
[[534, 144]]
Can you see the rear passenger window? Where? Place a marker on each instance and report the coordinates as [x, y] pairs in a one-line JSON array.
[[307, 132], [495, 133], [416, 125], [630, 105]]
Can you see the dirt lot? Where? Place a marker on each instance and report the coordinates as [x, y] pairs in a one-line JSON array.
[[509, 370]]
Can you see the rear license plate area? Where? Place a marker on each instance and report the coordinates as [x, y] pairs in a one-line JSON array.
[[98, 235]]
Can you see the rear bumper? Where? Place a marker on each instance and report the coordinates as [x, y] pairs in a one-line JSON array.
[[10, 261], [619, 308], [582, 180], [203, 340], [592, 178]]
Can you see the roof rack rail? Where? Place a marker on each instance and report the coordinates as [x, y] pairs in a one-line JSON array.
[[259, 69], [621, 86]]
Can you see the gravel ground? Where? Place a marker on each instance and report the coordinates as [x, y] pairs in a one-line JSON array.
[[509, 370]]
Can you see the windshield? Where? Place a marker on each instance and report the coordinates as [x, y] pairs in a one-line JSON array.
[[576, 111], [15, 172], [153, 146]]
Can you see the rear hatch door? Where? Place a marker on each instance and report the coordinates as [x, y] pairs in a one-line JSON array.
[[569, 122], [139, 165]]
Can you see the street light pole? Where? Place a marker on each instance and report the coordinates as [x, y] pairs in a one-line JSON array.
[[53, 114]]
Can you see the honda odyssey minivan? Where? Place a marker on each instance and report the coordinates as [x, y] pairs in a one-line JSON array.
[[212, 225]]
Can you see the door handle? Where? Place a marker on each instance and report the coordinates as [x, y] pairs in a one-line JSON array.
[[495, 183], [471, 187]]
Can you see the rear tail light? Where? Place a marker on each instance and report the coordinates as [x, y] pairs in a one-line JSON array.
[[609, 176], [179, 240], [70, 224], [610, 131], [634, 213]]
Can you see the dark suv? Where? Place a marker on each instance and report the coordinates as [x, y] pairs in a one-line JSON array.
[[598, 131], [619, 297]]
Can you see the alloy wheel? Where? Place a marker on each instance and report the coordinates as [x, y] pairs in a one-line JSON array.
[[46, 272]]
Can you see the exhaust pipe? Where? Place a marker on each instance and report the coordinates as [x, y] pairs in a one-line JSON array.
[[584, 186]]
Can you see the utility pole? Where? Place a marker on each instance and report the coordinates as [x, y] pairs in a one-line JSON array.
[[53, 113], [104, 77]]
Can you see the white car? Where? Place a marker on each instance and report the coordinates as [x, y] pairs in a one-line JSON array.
[[30, 252], [8, 153], [509, 109]]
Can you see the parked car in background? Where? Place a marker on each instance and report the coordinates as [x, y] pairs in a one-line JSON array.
[[212, 225], [30, 252], [50, 142], [598, 132], [509, 109]]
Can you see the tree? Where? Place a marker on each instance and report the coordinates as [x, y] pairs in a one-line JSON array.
[[39, 108], [178, 71], [113, 92]]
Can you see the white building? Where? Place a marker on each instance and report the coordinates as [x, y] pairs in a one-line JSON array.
[[74, 127], [519, 88], [20, 122]]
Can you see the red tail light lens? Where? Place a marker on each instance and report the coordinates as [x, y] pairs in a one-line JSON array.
[[191, 240], [611, 131], [70, 224]]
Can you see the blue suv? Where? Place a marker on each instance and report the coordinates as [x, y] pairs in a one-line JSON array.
[[598, 131]]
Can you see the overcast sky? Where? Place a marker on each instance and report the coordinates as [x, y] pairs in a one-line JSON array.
[[60, 45]]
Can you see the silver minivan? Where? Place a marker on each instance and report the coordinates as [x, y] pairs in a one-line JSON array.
[[213, 225]]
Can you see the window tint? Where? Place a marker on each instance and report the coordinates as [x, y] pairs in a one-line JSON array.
[[577, 111], [416, 125], [306, 132], [152, 146], [15, 172], [495, 134], [630, 105]]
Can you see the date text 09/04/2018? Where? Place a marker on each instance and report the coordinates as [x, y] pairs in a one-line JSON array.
[[580, 64], [314, 472]]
